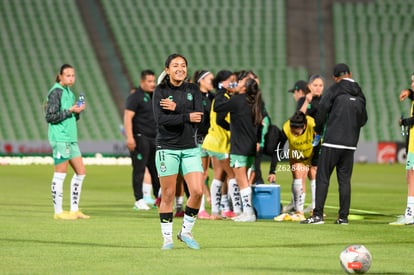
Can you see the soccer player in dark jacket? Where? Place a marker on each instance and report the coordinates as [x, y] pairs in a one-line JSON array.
[[177, 111], [246, 115], [342, 112]]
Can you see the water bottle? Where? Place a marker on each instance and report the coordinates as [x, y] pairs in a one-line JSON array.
[[232, 85], [122, 129], [81, 99], [316, 140], [404, 131]]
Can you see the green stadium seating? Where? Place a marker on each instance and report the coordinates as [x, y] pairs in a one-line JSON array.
[[212, 34], [37, 37], [374, 39]]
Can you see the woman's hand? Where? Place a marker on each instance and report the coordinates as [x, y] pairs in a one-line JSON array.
[[168, 104], [196, 116], [404, 94], [77, 109]]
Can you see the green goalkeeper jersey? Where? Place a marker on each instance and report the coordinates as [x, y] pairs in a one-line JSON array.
[[62, 123]]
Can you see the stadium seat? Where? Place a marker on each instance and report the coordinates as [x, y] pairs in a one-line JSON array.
[[48, 36]]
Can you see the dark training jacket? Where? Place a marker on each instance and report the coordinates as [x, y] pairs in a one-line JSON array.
[[174, 129], [342, 112]]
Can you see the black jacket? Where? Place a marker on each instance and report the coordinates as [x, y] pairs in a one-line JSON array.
[[174, 129], [244, 134], [341, 114]]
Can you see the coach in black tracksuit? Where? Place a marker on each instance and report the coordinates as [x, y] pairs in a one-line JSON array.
[[342, 111], [140, 134]]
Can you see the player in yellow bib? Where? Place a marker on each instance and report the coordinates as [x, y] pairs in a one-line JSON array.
[[217, 145], [299, 132]]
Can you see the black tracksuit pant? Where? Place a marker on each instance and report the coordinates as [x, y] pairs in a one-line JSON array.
[[343, 161], [144, 156]]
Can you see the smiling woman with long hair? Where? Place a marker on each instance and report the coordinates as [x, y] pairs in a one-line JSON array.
[[178, 110]]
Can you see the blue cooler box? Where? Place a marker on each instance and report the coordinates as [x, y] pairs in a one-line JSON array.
[[266, 200]]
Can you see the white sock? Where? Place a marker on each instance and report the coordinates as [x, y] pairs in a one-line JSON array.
[[75, 191], [147, 189], [179, 203], [167, 232], [302, 199], [188, 223], [57, 191], [215, 191], [313, 192], [246, 195], [298, 195], [224, 203], [202, 206], [410, 207], [234, 192]]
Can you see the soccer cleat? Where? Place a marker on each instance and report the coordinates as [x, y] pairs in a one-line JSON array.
[[282, 217], [228, 214], [179, 214], [403, 220], [297, 217], [341, 221], [188, 239], [168, 245], [141, 205], [64, 216], [203, 215], [79, 215], [149, 200], [245, 218], [313, 220]]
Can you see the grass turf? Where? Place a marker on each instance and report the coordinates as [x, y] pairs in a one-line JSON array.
[[117, 240]]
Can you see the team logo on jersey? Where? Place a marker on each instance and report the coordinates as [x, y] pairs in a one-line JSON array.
[[189, 97], [163, 168]]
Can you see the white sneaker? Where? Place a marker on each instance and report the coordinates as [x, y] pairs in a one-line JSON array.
[[245, 218], [283, 217], [141, 205], [149, 200], [403, 220]]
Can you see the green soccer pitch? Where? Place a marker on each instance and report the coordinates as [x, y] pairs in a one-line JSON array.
[[117, 240]]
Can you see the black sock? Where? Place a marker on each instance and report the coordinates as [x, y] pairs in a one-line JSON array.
[[191, 211], [166, 217]]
